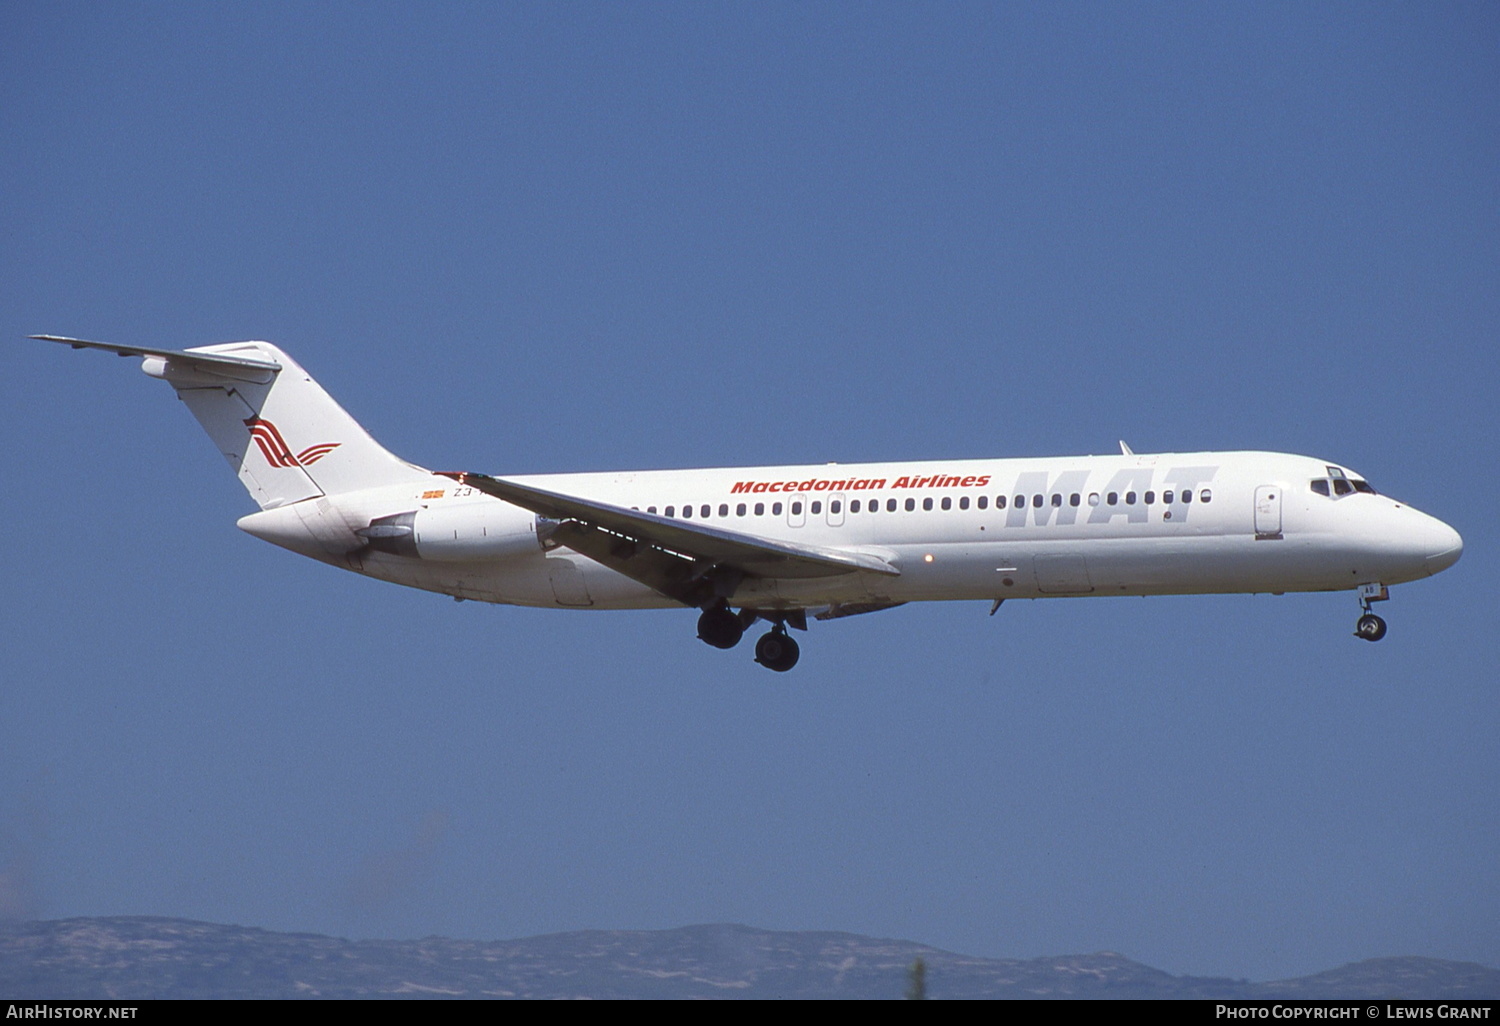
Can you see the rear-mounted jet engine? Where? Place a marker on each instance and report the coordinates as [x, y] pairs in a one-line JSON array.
[[451, 534]]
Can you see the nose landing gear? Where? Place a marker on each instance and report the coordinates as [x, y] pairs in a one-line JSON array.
[[1371, 627]]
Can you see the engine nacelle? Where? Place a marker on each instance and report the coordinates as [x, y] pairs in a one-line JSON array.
[[454, 533]]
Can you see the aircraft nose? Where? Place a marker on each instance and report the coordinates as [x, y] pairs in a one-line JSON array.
[[1444, 546]]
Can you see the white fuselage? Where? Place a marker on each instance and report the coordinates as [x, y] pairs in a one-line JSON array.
[[779, 543], [1172, 523]]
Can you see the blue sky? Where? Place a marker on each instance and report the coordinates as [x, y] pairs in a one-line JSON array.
[[555, 237]]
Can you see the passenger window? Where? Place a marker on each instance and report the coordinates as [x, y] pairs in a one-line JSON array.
[[1130, 498], [1093, 498], [1113, 498], [890, 505], [739, 510], [984, 501], [1021, 500], [1074, 499], [963, 502], [835, 506], [650, 509], [724, 509], [687, 512], [927, 503], [1036, 501], [1150, 498], [1187, 495], [947, 502], [796, 509], [704, 510], [817, 507], [760, 509], [775, 509], [1320, 486], [1167, 497], [671, 511], [999, 502], [1205, 495], [911, 504], [1056, 499]]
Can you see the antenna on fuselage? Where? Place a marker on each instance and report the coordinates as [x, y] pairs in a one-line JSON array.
[[1125, 449]]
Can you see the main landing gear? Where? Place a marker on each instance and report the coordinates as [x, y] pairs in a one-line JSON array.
[[722, 627], [776, 650], [1371, 627]]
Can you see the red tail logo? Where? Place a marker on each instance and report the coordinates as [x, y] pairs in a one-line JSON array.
[[278, 453]]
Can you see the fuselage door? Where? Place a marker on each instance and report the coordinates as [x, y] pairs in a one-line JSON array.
[[1268, 512], [796, 510], [836, 509], [568, 585], [1062, 575]]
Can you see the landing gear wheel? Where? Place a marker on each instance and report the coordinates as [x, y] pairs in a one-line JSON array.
[[720, 628], [776, 651], [1370, 627]]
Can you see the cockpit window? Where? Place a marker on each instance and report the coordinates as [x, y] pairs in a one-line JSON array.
[[1339, 485]]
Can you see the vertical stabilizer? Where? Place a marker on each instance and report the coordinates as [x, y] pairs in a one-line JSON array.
[[282, 433], [284, 436]]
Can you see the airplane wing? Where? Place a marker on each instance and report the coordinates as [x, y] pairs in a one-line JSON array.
[[686, 561], [214, 363]]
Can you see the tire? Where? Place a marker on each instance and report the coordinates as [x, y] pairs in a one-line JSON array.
[[776, 651], [720, 628]]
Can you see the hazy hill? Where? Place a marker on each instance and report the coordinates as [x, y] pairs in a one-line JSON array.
[[146, 957]]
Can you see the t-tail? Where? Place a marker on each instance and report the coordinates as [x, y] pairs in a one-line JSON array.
[[281, 432]]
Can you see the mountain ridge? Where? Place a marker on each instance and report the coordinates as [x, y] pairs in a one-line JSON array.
[[153, 957]]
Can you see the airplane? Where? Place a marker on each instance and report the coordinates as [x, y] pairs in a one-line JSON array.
[[780, 543]]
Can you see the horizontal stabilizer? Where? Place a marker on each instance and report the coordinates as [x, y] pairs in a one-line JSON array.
[[187, 358]]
